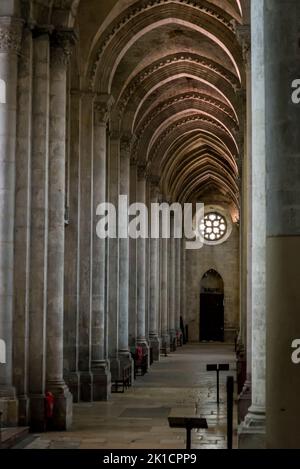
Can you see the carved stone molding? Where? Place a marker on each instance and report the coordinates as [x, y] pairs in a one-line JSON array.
[[102, 107], [126, 143], [180, 123], [141, 171], [10, 34], [190, 95], [243, 34], [142, 6], [101, 114], [154, 182], [62, 44], [173, 59]]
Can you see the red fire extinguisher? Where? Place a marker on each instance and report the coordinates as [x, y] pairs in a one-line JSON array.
[[49, 403]]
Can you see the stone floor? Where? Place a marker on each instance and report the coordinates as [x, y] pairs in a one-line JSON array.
[[177, 385]]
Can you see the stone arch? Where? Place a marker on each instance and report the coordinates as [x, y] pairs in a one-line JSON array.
[[132, 24]]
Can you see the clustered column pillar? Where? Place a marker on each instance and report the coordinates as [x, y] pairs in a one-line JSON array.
[[10, 40], [171, 283], [154, 283], [22, 227], [100, 364], [183, 288], [132, 264], [252, 430], [178, 244], [282, 149], [124, 354], [141, 265], [113, 257], [164, 299], [38, 229], [246, 235], [61, 44]]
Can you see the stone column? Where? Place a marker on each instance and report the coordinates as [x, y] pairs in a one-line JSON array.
[[183, 285], [141, 267], [85, 247], [245, 353], [133, 265], [100, 364], [164, 299], [154, 284], [242, 184], [38, 229], [178, 244], [124, 354], [72, 254], [252, 430], [113, 258], [61, 45], [281, 41], [10, 39], [22, 228], [171, 282]]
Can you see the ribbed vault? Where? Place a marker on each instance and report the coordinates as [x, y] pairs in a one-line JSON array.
[[174, 69]]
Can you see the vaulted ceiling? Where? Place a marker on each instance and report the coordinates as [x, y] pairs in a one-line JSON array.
[[174, 69]]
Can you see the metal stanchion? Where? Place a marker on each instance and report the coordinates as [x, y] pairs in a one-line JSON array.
[[0, 428]]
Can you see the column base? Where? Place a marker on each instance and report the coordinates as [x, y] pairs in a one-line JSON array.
[[10, 412], [126, 360], [173, 341], [146, 350], [72, 379], [155, 344], [37, 408], [115, 368], [23, 403], [252, 431], [101, 381], [165, 344], [179, 338], [63, 407], [86, 386], [244, 401]]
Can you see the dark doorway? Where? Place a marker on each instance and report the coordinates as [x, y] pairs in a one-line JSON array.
[[212, 307]]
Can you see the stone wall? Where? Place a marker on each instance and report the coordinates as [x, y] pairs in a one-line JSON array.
[[224, 258]]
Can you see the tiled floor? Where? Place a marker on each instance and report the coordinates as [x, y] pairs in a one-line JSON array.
[[178, 385]]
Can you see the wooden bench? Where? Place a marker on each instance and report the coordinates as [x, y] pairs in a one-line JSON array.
[[124, 381]]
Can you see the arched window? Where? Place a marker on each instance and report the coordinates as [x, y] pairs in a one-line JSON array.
[[2, 92]]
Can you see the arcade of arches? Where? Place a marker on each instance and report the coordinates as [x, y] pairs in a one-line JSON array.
[[162, 101]]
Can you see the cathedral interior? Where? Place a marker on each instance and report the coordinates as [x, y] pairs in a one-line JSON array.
[[162, 101]]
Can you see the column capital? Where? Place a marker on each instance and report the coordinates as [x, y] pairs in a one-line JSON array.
[[153, 179], [243, 34], [102, 107], [126, 143], [114, 135], [62, 43], [133, 161], [141, 171], [10, 34]]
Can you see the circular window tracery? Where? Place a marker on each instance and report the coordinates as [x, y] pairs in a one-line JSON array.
[[213, 227]]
